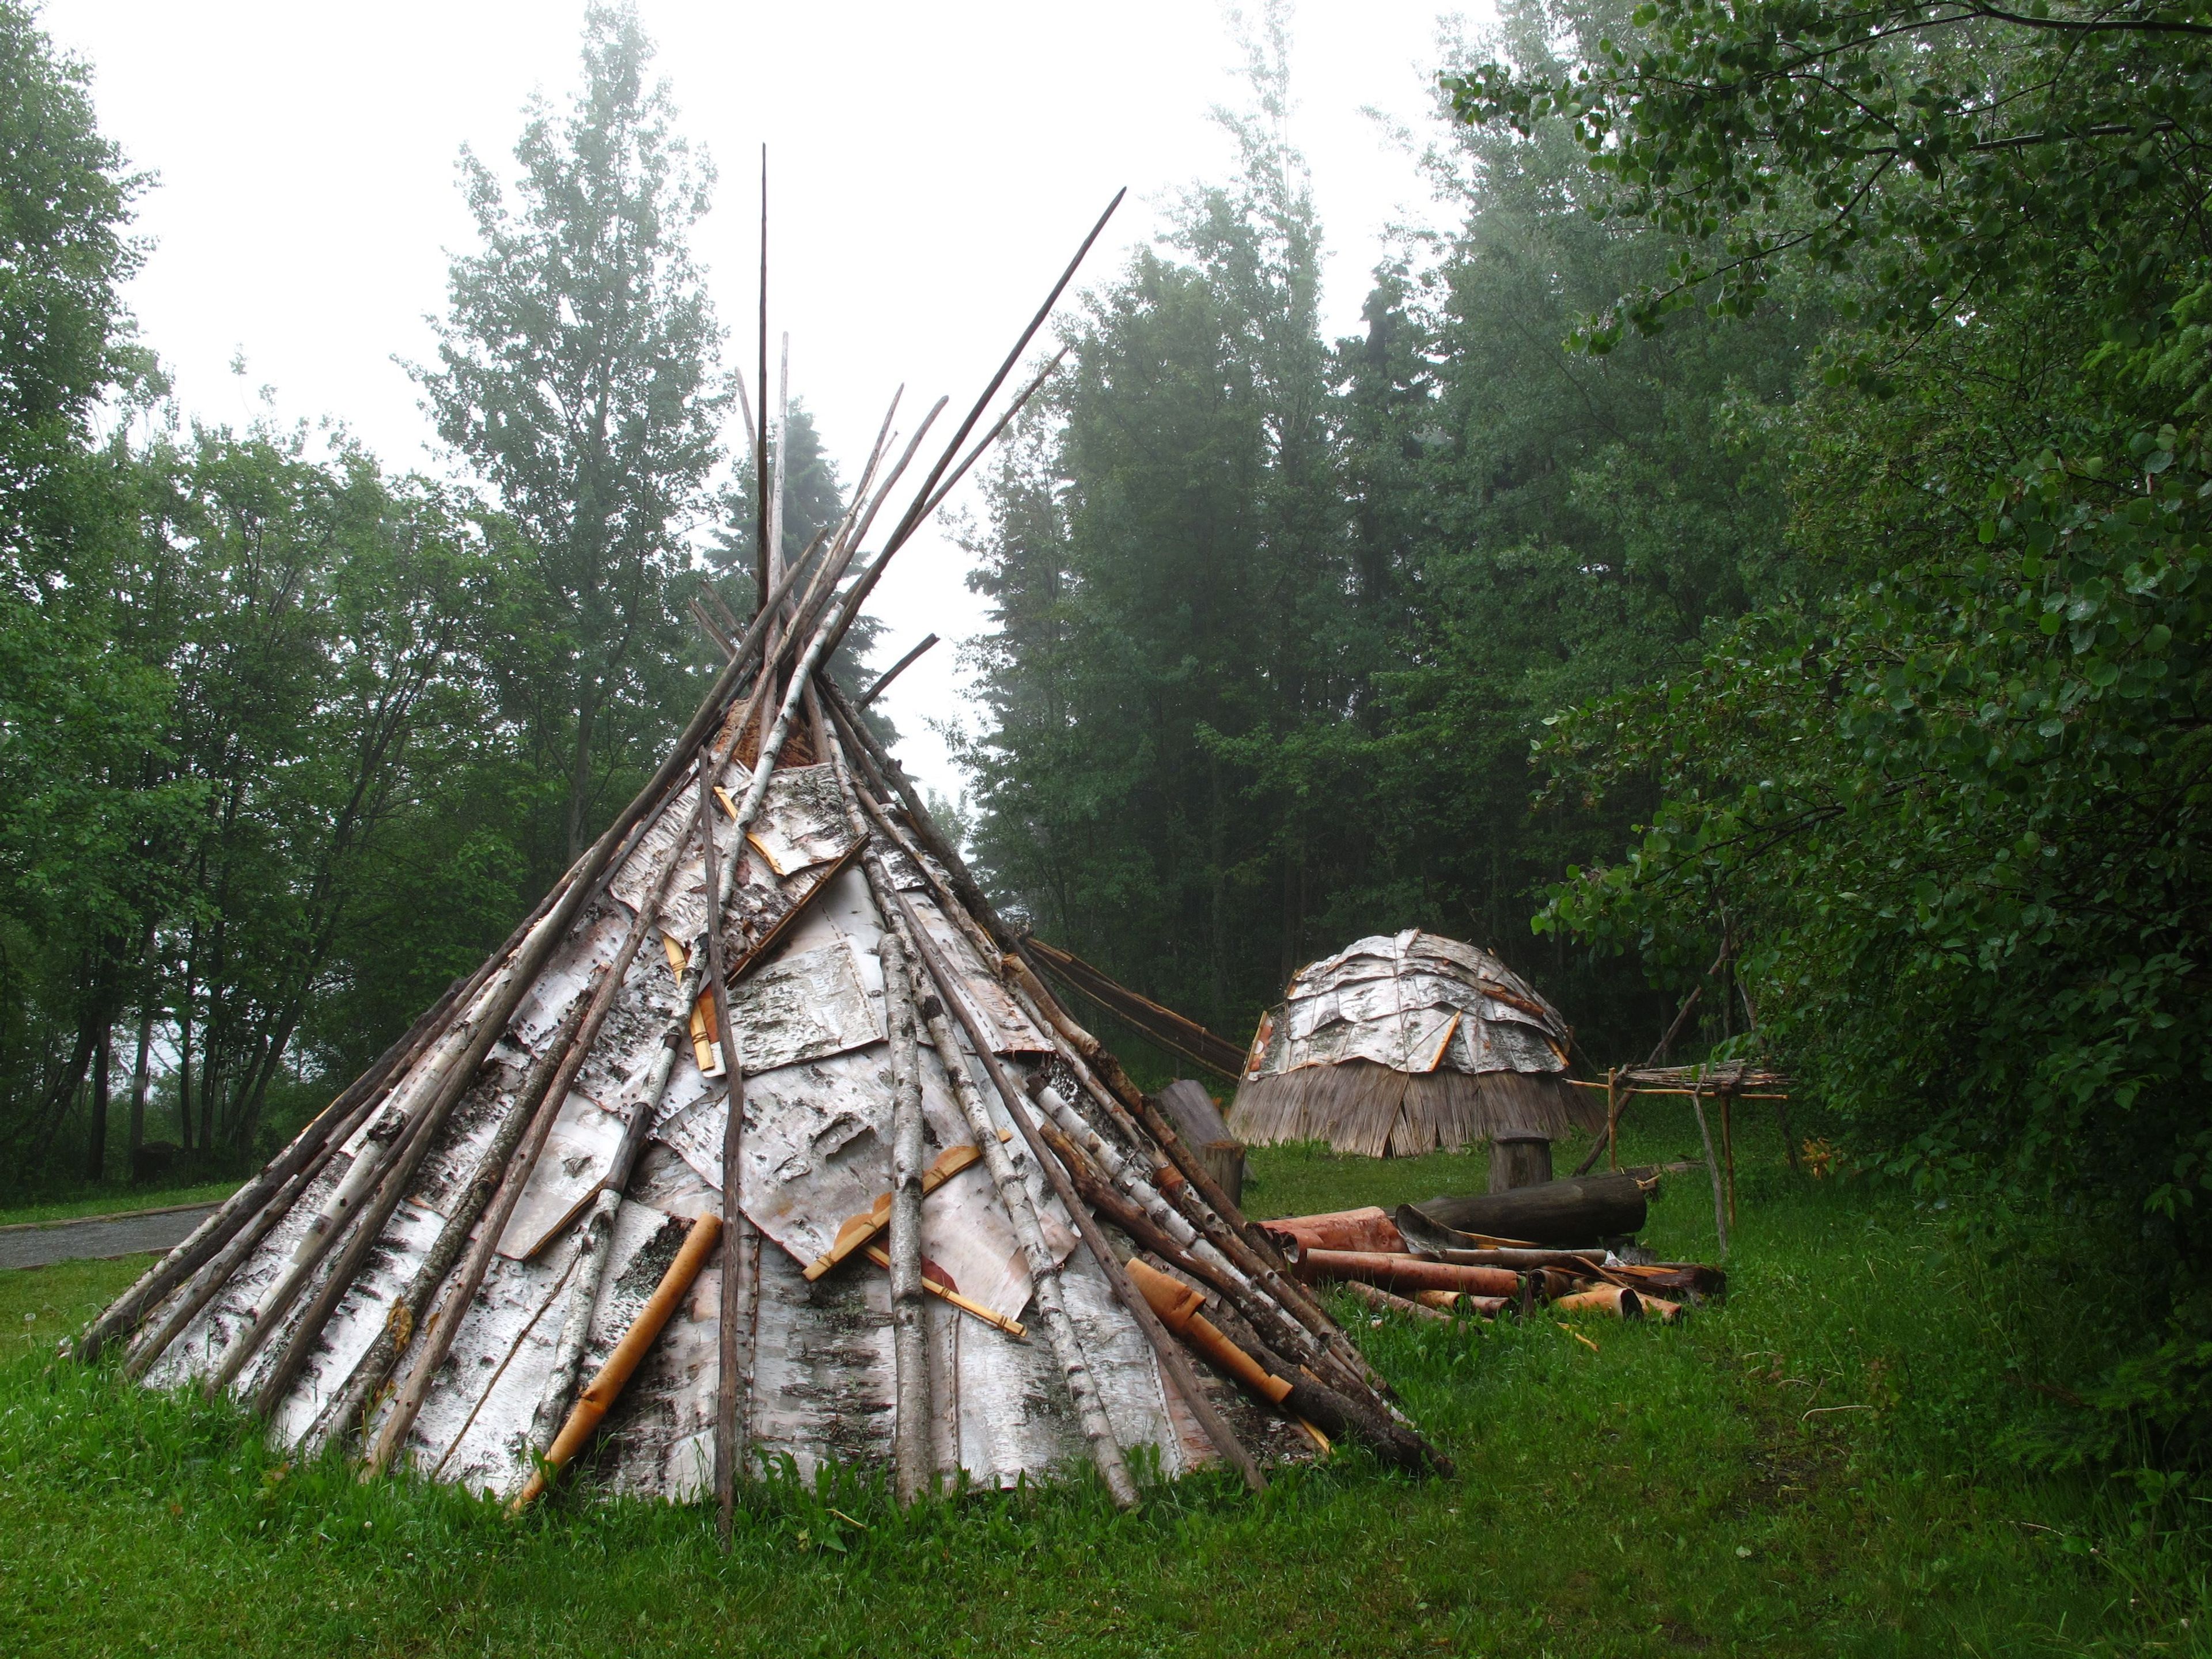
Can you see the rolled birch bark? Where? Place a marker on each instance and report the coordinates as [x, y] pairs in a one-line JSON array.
[[1613, 1299], [1404, 1274]]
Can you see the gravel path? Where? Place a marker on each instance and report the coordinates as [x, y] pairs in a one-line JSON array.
[[40, 1244]]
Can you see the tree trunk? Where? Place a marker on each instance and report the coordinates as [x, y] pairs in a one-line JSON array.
[[184, 1041], [579, 775], [63, 1096], [138, 1083], [1518, 1160], [96, 1154]]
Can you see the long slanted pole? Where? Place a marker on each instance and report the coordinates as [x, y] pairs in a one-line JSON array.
[[911, 1461], [1173, 1361], [1044, 1273], [735, 1303], [760, 444], [350, 1402], [910, 1454], [593, 1245]]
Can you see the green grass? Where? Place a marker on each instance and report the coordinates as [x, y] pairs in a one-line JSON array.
[[1821, 1468], [116, 1200]]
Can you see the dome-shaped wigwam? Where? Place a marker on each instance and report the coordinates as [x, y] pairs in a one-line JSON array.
[[1408, 1043]]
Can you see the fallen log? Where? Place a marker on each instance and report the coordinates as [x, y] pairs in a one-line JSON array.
[[1583, 1210], [1370, 1229], [1402, 1273]]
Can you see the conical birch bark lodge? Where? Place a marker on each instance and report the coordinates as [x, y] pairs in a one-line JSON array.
[[909, 1246]]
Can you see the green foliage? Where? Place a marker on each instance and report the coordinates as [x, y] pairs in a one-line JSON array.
[[1950, 150], [578, 374], [1944, 789], [1277, 623]]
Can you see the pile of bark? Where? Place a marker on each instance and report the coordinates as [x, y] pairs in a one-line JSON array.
[[1564, 1245]]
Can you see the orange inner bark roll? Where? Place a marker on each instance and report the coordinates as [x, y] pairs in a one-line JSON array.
[[1177, 1305], [593, 1404]]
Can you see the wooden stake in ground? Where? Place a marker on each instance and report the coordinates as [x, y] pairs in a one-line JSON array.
[[1712, 1164], [1613, 1117], [1728, 1152]]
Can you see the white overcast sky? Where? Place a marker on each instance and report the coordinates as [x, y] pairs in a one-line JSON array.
[[932, 167]]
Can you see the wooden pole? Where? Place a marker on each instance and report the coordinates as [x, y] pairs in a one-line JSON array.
[[1044, 1271], [445, 1324], [351, 1401], [910, 1454], [1712, 1165], [734, 1354], [760, 446], [882, 683], [1613, 1117], [1728, 1153], [599, 1225]]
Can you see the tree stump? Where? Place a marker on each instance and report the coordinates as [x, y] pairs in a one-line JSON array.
[[1225, 1162], [1519, 1160]]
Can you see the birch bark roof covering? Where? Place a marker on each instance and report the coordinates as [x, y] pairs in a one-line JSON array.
[[1404, 1044]]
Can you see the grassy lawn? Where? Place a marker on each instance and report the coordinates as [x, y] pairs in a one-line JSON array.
[[116, 1200], [1823, 1466]]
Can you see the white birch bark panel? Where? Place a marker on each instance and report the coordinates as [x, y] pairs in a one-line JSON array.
[[803, 1005], [474, 1424], [823, 1378], [1010, 1030], [359, 1316], [802, 820]]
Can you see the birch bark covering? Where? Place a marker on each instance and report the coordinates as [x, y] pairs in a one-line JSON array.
[[1406, 1044]]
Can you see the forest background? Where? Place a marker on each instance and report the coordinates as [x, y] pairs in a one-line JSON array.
[[1756, 550]]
